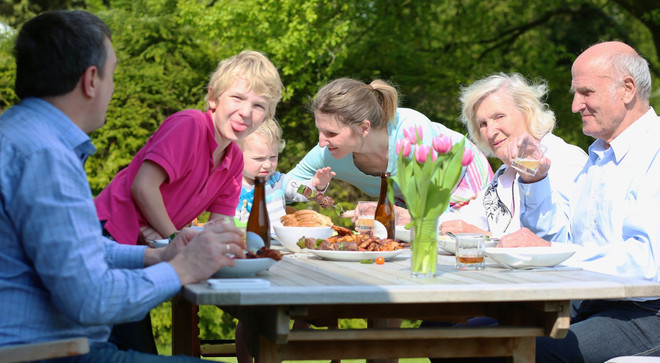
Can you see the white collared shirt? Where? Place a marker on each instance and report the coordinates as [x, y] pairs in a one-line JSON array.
[[614, 211]]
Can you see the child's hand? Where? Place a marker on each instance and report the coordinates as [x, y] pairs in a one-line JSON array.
[[322, 178]]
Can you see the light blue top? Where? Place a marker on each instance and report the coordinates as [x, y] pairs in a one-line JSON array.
[[405, 118], [59, 277], [613, 212]]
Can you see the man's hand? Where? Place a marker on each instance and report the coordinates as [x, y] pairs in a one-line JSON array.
[[459, 226], [322, 178], [202, 253], [522, 238]]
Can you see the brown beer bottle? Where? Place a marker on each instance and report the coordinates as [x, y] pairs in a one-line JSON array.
[[258, 221], [384, 209]]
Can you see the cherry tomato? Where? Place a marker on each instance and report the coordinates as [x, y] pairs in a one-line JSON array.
[[380, 260]]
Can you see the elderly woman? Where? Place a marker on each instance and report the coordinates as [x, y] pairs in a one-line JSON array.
[[499, 110]]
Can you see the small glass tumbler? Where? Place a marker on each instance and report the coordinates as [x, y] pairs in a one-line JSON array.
[[470, 253], [366, 212], [529, 156]]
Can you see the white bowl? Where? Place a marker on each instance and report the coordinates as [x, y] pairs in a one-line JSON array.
[[527, 257], [289, 236], [402, 234], [245, 267]]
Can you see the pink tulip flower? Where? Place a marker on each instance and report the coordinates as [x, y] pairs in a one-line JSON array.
[[399, 146], [403, 146], [434, 155], [468, 155], [406, 148], [410, 135], [442, 144], [420, 131], [421, 153]]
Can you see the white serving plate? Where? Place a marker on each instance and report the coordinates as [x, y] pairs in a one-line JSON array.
[[528, 257], [402, 234], [353, 256], [245, 267]]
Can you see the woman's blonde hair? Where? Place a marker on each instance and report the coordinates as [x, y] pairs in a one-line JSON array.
[[271, 131], [527, 97], [352, 101], [259, 73]]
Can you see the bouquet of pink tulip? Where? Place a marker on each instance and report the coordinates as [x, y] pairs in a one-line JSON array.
[[426, 176]]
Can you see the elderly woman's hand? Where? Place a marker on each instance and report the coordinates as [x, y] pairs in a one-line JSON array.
[[512, 150], [522, 238], [458, 226]]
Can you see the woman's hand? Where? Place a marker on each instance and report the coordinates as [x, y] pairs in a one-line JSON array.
[[512, 151], [401, 215], [322, 178], [459, 226]]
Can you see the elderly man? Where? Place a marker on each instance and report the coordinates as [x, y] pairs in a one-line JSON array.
[[613, 213], [59, 278]]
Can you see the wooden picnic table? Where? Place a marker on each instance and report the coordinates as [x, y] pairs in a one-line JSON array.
[[527, 304]]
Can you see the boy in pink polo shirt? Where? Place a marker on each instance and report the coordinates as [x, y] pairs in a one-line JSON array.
[[191, 164]]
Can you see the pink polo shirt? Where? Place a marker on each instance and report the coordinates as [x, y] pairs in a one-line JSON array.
[[183, 146]]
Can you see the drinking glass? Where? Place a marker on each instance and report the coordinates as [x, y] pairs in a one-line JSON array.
[[366, 212], [470, 253], [529, 156]]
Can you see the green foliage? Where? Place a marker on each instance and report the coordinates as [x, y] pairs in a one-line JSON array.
[[428, 49]]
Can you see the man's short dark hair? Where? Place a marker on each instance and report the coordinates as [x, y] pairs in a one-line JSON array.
[[54, 49]]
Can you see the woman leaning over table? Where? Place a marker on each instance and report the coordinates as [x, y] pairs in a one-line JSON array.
[[359, 125], [497, 110]]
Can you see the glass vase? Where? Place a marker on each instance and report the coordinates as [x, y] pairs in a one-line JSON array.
[[424, 247]]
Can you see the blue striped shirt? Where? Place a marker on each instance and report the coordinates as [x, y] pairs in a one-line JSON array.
[[58, 276]]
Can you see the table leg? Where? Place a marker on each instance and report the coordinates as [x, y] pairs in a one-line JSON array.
[[185, 331], [383, 323], [524, 350], [268, 352]]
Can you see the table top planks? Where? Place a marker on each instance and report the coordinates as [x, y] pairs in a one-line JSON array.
[[304, 279]]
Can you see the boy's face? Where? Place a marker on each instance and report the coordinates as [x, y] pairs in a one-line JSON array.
[[259, 157], [238, 111]]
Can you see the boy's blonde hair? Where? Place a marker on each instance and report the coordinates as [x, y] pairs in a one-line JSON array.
[[261, 76], [271, 131]]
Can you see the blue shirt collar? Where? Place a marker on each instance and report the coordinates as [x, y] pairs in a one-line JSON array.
[[625, 141]]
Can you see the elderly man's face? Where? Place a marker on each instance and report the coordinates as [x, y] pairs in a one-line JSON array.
[[598, 98]]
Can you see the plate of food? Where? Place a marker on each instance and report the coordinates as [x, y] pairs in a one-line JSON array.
[[529, 257], [354, 256], [245, 267]]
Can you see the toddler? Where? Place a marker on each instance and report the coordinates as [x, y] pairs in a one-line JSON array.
[[260, 157]]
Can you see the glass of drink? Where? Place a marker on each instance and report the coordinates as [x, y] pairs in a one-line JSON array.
[[470, 253], [529, 156], [366, 212]]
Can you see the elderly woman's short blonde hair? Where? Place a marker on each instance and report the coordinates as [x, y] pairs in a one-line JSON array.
[[527, 96], [259, 73]]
